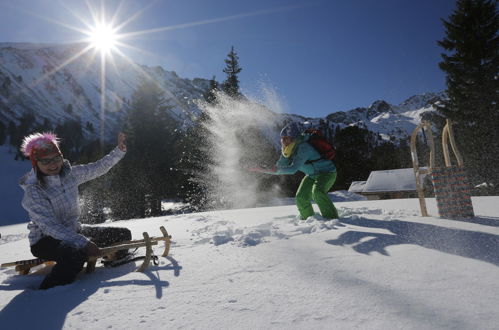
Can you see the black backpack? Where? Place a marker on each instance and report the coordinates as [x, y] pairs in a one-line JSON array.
[[320, 143]]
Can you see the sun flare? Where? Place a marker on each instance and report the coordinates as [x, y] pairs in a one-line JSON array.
[[104, 34], [103, 38]]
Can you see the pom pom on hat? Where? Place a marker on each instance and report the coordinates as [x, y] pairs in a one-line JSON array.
[[40, 144]]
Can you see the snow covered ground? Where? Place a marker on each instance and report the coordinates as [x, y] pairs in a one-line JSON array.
[[11, 193], [381, 267]]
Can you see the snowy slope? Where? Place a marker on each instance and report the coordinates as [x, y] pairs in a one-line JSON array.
[[11, 193], [382, 267], [61, 82]]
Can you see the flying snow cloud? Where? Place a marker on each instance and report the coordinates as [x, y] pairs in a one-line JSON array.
[[242, 134]]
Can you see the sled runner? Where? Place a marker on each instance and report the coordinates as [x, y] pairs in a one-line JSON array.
[[23, 266]]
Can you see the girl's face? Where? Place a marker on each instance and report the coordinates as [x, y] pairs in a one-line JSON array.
[[286, 140], [50, 164]]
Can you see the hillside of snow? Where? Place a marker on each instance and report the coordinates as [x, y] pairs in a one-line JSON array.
[[382, 266], [11, 193], [63, 82]]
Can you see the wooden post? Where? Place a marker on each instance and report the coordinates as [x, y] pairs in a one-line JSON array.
[[167, 239], [415, 163], [147, 258], [448, 136]]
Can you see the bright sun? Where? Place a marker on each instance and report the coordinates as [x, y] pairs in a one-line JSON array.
[[103, 38]]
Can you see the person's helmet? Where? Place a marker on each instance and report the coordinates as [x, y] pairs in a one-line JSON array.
[[291, 130]]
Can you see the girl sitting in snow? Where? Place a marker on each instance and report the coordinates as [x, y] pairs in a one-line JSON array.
[[320, 173], [51, 199]]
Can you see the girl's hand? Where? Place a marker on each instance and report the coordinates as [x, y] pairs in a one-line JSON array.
[[121, 141]]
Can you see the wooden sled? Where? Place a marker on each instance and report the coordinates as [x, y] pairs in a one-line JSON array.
[[23, 267], [450, 182]]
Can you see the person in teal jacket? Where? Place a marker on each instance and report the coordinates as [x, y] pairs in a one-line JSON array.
[[320, 174]]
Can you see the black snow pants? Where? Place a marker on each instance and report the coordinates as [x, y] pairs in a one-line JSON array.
[[69, 259]]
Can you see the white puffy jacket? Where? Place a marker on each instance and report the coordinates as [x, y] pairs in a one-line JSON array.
[[54, 209]]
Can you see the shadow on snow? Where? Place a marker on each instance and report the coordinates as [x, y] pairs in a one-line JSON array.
[[465, 243], [48, 309]]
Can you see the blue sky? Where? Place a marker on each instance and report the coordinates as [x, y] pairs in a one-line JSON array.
[[319, 56]]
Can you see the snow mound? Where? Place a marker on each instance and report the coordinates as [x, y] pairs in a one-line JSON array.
[[314, 224], [223, 232]]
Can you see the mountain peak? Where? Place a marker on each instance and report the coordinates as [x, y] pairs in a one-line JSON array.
[[378, 107], [421, 101]]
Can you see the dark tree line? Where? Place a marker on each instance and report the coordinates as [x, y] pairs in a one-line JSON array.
[[70, 131], [470, 62]]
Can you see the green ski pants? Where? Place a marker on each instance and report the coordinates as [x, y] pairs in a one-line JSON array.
[[316, 189]]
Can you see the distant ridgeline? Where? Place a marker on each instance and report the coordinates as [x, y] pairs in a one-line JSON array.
[[39, 91]]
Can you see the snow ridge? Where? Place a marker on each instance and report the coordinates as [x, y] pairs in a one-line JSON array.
[[62, 83], [35, 77]]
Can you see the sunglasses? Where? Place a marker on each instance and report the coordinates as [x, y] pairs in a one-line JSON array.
[[48, 161]]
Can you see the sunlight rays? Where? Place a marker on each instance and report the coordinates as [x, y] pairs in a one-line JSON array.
[[209, 21], [61, 66], [102, 33]]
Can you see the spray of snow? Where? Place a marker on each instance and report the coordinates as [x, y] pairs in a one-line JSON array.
[[233, 123]]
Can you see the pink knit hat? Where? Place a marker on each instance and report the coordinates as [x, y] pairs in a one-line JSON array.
[[38, 145]]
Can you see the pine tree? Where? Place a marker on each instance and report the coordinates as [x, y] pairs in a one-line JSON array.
[[71, 134], [210, 95], [231, 85], [45, 126], [12, 133], [470, 63], [354, 146], [195, 162], [148, 173], [3, 133]]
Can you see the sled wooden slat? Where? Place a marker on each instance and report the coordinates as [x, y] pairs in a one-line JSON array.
[[418, 172], [107, 250], [23, 266], [167, 238], [147, 259], [31, 262]]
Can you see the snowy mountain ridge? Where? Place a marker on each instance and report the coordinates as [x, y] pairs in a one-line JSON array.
[[63, 83], [55, 82], [390, 121]]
